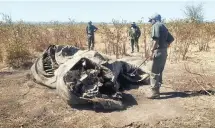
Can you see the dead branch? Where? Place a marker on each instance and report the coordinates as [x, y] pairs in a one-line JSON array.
[[200, 75], [202, 86]]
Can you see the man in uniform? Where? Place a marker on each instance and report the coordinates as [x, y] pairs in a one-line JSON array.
[[134, 34], [90, 29], [158, 54]]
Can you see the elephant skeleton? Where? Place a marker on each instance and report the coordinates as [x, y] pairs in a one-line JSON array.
[[82, 76]]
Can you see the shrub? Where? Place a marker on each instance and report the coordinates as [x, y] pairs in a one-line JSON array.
[[114, 37], [17, 50]]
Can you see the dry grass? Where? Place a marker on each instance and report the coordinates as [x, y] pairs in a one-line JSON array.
[[20, 40], [26, 104]]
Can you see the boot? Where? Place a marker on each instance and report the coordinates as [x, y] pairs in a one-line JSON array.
[[155, 93]]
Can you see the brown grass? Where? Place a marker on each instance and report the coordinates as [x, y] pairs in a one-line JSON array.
[[27, 104], [20, 40]]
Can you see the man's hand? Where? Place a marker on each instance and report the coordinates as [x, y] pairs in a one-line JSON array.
[[95, 30], [154, 46], [151, 56]]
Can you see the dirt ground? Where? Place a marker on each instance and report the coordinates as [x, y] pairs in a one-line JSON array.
[[24, 103]]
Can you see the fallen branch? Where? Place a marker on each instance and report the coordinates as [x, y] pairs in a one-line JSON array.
[[200, 75], [202, 87]]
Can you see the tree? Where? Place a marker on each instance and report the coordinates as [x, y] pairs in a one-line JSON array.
[[194, 13], [6, 18]]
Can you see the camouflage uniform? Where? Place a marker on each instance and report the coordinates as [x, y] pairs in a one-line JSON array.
[[90, 29], [159, 34], [134, 34]]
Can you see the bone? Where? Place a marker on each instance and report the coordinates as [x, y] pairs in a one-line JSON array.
[[49, 70]]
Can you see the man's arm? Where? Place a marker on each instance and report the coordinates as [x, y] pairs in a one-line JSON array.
[[95, 29], [155, 36], [155, 39], [154, 45], [139, 32]]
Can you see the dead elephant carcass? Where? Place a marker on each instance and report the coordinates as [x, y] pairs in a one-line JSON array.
[[82, 77]]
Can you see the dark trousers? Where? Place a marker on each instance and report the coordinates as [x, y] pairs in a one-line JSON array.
[[91, 42], [134, 42], [158, 65]]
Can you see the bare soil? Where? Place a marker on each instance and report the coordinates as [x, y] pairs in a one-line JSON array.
[[183, 103]]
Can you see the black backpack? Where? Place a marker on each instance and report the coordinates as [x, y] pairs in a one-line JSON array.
[[170, 38]]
